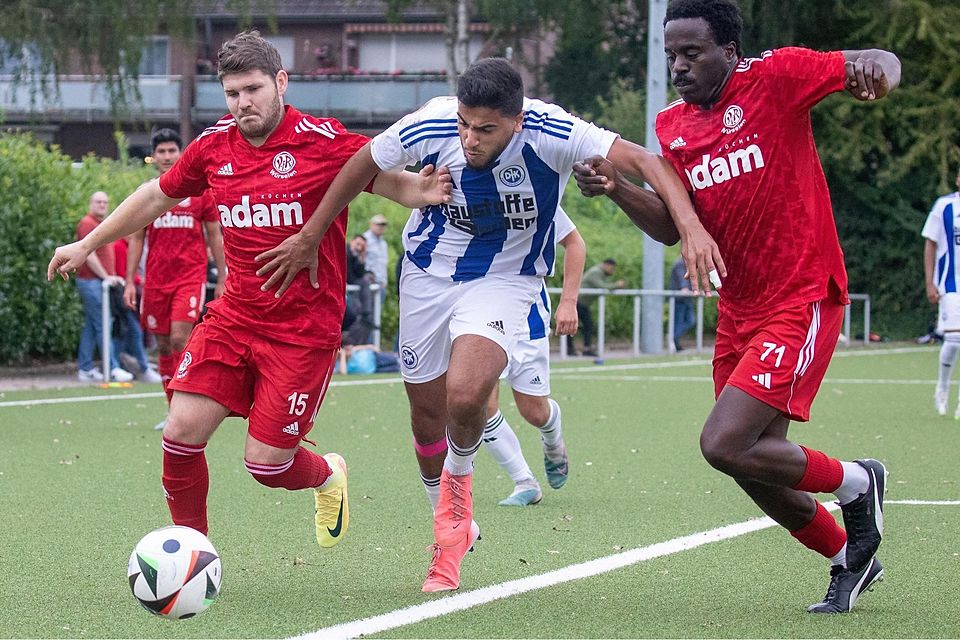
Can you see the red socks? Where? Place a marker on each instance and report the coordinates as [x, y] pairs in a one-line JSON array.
[[304, 470], [185, 483], [822, 475], [822, 534]]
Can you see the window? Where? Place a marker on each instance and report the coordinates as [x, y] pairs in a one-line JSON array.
[[155, 58]]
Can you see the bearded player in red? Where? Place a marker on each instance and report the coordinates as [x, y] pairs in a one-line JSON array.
[[740, 138], [175, 276], [255, 355]]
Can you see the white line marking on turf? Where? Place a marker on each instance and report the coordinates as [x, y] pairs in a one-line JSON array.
[[159, 394], [925, 503], [397, 379], [641, 378], [469, 599]]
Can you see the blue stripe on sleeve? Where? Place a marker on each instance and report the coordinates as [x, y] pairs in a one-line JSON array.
[[444, 121], [489, 224], [950, 286], [406, 145], [546, 191]]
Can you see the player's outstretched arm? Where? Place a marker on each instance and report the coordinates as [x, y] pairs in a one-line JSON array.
[[139, 209], [299, 251], [574, 257], [871, 73], [415, 190], [596, 176], [698, 248], [214, 239], [929, 258], [134, 252]]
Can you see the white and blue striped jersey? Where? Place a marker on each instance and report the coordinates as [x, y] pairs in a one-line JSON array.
[[500, 219], [943, 227], [538, 320]]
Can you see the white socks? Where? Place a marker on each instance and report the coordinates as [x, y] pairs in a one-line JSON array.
[[855, 482], [459, 461], [948, 358], [551, 432], [503, 445]]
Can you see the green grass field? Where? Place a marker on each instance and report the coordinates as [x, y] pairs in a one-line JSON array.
[[79, 485]]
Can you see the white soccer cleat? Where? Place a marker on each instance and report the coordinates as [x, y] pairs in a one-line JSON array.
[[940, 397]]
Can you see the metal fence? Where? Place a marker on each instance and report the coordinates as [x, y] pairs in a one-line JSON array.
[[638, 296]]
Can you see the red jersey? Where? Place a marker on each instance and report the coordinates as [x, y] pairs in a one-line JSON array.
[[107, 257], [264, 195], [758, 187], [176, 249]]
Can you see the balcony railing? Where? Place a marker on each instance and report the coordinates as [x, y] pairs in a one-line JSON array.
[[355, 99]]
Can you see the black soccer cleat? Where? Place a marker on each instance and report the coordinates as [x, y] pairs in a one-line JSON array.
[[847, 586], [863, 518]]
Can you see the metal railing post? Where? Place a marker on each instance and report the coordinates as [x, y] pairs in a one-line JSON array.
[[601, 324], [106, 328], [377, 312], [847, 313], [671, 320], [636, 325], [866, 320], [699, 323]]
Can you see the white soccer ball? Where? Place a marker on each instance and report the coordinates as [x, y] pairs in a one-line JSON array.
[[174, 572]]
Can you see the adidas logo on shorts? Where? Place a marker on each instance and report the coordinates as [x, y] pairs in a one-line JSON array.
[[293, 429], [536, 380], [763, 379], [498, 325]]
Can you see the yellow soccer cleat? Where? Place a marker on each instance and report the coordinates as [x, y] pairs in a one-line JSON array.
[[333, 510]]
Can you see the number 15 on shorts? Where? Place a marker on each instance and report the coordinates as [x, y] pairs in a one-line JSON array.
[[298, 403]]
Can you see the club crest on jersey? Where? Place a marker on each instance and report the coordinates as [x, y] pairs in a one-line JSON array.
[[512, 175], [283, 165], [732, 119], [184, 363]]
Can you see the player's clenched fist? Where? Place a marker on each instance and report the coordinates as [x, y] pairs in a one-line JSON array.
[[66, 260], [866, 79]]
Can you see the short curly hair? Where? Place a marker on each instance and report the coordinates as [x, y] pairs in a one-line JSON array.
[[723, 16]]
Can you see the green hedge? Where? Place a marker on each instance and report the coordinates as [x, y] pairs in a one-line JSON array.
[[44, 195]]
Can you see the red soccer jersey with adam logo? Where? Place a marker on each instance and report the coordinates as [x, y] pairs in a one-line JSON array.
[[264, 195], [757, 183], [177, 252]]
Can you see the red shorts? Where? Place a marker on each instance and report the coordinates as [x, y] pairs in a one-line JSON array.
[[278, 386], [781, 359], [160, 307]]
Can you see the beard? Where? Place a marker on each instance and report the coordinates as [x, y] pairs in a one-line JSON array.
[[269, 120]]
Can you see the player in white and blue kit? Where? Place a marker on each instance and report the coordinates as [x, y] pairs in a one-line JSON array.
[[474, 264], [529, 375], [941, 270]]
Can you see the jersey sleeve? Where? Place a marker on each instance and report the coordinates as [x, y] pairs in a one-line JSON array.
[[564, 138], [933, 228], [408, 140], [665, 138], [186, 178], [563, 225], [208, 208], [803, 77]]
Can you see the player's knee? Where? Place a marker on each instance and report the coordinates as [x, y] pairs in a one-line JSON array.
[[719, 454], [179, 430], [178, 342], [466, 407], [536, 414]]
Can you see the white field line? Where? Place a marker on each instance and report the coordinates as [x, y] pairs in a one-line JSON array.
[[469, 599], [159, 394], [396, 379], [627, 378]]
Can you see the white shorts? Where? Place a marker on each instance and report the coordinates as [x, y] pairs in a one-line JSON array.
[[436, 311], [948, 319], [529, 368]]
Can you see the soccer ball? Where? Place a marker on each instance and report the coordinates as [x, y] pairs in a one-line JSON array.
[[174, 572]]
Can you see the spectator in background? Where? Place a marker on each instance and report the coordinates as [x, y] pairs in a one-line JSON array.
[[683, 319], [377, 252], [99, 266], [599, 276], [130, 340], [360, 302]]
